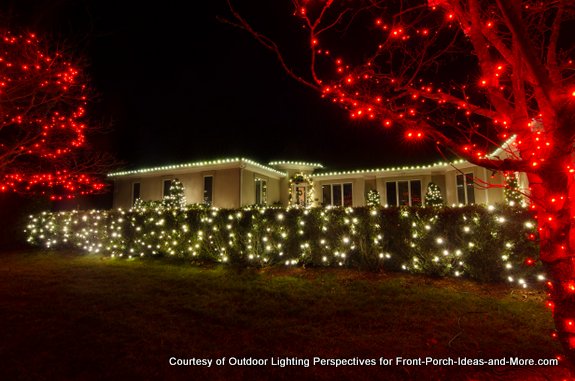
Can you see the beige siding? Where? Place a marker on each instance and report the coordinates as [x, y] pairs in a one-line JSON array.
[[152, 188], [122, 193], [284, 191], [274, 190], [226, 188], [358, 189], [488, 190], [234, 183], [496, 193], [193, 187], [249, 188]]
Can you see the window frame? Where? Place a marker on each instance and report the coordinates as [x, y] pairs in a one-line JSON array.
[[410, 193], [342, 194], [165, 190], [466, 186], [261, 186]]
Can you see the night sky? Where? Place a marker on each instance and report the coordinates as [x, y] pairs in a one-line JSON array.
[[175, 84]]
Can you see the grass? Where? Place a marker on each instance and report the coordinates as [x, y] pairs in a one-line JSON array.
[[65, 316]]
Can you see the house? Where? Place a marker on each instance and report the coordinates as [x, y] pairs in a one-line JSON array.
[[238, 182]]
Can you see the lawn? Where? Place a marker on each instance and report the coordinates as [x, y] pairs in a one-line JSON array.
[[66, 316]]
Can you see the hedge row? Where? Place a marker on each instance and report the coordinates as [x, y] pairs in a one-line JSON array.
[[488, 244]]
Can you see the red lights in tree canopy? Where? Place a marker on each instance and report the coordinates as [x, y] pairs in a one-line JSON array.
[[42, 128], [476, 79], [414, 135]]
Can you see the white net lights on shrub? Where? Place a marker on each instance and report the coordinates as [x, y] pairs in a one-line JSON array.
[[483, 243]]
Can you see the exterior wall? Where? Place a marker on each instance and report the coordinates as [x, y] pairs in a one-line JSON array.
[[226, 188], [284, 191], [358, 189], [483, 195], [274, 191], [151, 188], [495, 194], [193, 187], [122, 194], [249, 188], [234, 184]]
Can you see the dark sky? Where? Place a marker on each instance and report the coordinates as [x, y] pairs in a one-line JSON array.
[[178, 85]]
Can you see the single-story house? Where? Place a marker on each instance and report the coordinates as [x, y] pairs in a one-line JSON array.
[[238, 182]]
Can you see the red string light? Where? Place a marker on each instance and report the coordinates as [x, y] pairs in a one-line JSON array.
[[42, 124]]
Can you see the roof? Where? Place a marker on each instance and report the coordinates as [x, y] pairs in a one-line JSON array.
[[218, 162]]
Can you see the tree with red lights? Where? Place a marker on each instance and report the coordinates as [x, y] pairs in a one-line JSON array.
[[471, 75], [43, 97]]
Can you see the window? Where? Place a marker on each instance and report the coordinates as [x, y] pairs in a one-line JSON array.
[[166, 188], [347, 195], [208, 189], [406, 192], [337, 194], [391, 193], [415, 191], [135, 192], [403, 192], [326, 194], [465, 189], [261, 192]]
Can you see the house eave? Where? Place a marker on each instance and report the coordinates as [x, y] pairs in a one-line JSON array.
[[176, 169]]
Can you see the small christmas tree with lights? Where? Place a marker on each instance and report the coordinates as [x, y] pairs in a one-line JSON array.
[[373, 198], [175, 199], [433, 195], [512, 194]]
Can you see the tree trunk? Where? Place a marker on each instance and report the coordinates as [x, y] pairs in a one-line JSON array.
[[562, 301], [553, 200]]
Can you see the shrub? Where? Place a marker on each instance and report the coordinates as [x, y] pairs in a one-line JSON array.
[[488, 244]]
